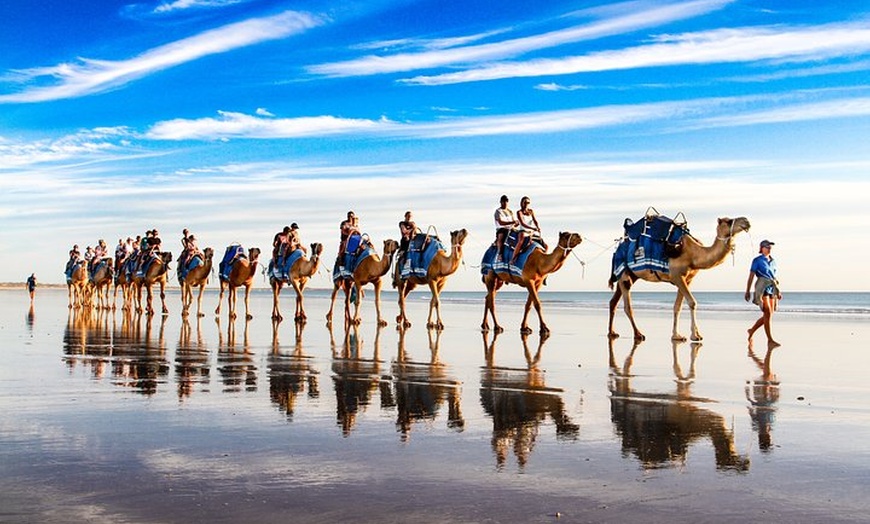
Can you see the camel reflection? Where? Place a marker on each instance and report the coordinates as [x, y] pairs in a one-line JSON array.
[[235, 365], [658, 428], [289, 373], [763, 394], [192, 364], [421, 388], [93, 338], [518, 401], [355, 378]]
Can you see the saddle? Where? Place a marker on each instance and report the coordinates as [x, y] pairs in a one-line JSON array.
[[648, 243]]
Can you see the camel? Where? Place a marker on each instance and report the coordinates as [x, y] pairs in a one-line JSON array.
[[681, 271], [441, 267], [122, 282], [101, 281], [241, 274], [196, 277], [77, 286], [538, 265], [301, 271], [157, 273], [369, 271]]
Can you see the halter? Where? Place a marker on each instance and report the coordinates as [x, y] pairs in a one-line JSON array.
[[730, 233], [566, 249]]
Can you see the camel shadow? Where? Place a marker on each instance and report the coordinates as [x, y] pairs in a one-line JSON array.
[[421, 387], [658, 428], [518, 401]]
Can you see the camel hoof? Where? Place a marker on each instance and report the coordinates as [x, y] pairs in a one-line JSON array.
[[613, 335], [526, 330], [678, 338], [498, 329], [639, 336], [249, 316], [200, 315], [484, 328], [697, 338], [382, 323], [545, 331]]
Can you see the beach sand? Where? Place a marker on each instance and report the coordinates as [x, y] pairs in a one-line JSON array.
[[124, 419]]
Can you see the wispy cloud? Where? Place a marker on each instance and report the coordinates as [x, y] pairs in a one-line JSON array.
[[88, 76], [650, 16], [707, 47], [180, 5], [675, 115], [552, 86], [84, 146]]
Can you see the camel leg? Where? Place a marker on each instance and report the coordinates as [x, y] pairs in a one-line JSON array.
[[614, 302], [356, 304], [524, 326], [199, 313], [163, 295], [435, 303], [231, 301], [402, 289], [276, 292], [223, 286], [377, 284], [331, 303], [683, 292], [490, 304], [629, 311], [149, 299], [536, 301], [248, 315], [299, 315]]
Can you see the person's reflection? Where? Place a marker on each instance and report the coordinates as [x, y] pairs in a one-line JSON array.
[[422, 387], [139, 360], [355, 378], [191, 359], [30, 318], [290, 373], [518, 401], [235, 365], [763, 394], [659, 427]]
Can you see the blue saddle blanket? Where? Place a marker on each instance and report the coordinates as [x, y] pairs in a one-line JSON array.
[[280, 269], [193, 263], [344, 268], [648, 244], [72, 268], [489, 262], [231, 255], [421, 251]]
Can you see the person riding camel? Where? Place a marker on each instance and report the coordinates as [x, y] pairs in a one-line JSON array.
[[279, 245], [294, 240], [504, 224], [407, 230], [348, 228], [527, 225]]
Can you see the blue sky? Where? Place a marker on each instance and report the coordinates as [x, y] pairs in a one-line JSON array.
[[236, 117]]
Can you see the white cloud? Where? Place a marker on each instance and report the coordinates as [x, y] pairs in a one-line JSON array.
[[651, 16], [717, 46], [90, 76], [841, 108], [180, 5], [262, 111], [552, 86]]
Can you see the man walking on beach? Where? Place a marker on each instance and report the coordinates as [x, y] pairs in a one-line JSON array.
[[31, 286], [766, 293]]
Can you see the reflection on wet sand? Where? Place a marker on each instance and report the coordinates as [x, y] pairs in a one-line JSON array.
[[763, 394], [192, 363], [94, 339], [518, 400], [235, 365], [422, 387], [290, 373], [658, 428], [29, 319], [355, 378]]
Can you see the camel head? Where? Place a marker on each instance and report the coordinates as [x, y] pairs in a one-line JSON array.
[[166, 256], [208, 253], [457, 238], [569, 240], [390, 247], [316, 249], [253, 254], [728, 227]]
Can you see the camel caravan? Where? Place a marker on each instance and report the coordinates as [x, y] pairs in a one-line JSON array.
[[655, 248]]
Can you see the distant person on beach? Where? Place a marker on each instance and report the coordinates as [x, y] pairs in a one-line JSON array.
[[31, 286], [504, 223], [766, 293]]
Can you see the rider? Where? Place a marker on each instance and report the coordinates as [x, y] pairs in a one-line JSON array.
[[527, 224], [279, 244], [407, 228], [348, 227], [504, 223], [294, 241]]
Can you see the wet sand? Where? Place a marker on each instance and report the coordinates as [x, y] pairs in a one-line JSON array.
[[117, 418]]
